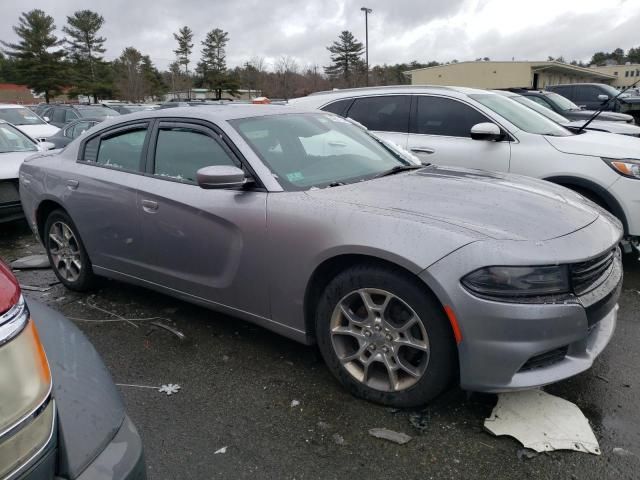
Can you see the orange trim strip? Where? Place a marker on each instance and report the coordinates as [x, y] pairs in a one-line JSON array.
[[43, 364], [454, 323]]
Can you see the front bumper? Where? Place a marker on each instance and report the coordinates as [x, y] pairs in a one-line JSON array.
[[93, 438], [511, 346], [627, 193]]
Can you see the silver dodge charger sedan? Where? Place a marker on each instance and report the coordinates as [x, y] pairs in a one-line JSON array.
[[407, 276]]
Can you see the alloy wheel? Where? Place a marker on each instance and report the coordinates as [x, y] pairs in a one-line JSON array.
[[65, 251], [379, 339]]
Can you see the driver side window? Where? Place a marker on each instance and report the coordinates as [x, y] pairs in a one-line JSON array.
[[446, 117], [182, 151]]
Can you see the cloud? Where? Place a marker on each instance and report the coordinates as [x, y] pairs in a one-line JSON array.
[[399, 31]]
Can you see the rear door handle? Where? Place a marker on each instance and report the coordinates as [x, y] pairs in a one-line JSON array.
[[72, 184], [149, 206], [426, 150]]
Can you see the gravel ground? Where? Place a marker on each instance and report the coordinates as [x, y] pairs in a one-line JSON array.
[[239, 381]]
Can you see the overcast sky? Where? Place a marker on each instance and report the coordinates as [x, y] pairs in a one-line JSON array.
[[399, 30]]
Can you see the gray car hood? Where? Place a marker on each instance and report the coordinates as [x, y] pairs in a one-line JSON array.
[[499, 206], [597, 144], [620, 128]]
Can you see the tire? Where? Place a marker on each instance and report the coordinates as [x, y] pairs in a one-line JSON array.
[[345, 329], [67, 255]]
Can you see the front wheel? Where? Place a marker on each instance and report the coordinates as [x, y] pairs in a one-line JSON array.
[[384, 337], [66, 252]]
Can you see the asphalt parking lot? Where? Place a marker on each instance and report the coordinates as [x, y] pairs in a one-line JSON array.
[[238, 383]]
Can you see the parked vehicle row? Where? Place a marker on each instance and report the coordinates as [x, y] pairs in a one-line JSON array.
[[592, 96], [408, 276]]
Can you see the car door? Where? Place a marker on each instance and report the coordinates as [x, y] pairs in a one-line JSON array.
[[206, 243], [101, 196], [586, 96], [440, 133], [387, 116]]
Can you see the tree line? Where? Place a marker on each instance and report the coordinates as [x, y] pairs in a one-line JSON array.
[[75, 64]]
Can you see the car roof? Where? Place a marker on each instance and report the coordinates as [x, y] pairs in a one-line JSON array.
[[12, 105], [215, 113]]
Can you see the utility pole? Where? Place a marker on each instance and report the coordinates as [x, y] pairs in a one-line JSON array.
[[366, 11]]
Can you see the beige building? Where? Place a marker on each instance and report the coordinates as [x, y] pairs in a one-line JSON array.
[[624, 75], [513, 74]]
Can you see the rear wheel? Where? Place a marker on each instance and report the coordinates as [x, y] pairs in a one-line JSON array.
[[384, 337], [66, 252]]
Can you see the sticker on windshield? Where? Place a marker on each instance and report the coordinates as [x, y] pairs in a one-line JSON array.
[[295, 176]]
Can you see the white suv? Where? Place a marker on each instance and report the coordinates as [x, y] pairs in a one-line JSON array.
[[481, 129]]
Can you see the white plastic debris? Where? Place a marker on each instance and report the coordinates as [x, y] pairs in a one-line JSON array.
[[221, 450], [294, 403], [542, 422], [386, 434], [170, 388]]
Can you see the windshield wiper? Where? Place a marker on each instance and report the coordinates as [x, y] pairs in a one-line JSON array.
[[604, 105], [398, 169]]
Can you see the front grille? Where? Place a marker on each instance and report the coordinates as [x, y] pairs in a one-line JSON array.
[[545, 359], [586, 276]]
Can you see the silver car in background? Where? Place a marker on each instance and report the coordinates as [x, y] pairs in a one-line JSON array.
[[409, 277]]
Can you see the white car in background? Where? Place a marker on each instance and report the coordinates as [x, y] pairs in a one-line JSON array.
[[15, 146], [27, 121], [482, 129], [621, 128]]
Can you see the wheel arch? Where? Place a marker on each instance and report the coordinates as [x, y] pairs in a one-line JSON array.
[[602, 196], [330, 267], [43, 211]]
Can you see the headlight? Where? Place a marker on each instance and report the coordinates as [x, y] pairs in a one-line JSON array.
[[510, 282], [624, 166]]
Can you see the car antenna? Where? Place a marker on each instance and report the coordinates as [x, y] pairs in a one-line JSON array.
[[602, 107]]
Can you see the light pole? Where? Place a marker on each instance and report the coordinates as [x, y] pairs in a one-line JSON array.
[[366, 11]]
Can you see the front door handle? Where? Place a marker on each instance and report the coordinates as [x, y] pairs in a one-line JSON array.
[[426, 150], [72, 184], [149, 206]]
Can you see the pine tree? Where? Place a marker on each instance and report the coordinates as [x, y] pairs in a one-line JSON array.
[[346, 59], [184, 37], [85, 49], [38, 61], [213, 64]]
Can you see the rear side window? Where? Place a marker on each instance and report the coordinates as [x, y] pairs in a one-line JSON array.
[[447, 117], [122, 150], [338, 107], [564, 90], [383, 114], [182, 151], [57, 115]]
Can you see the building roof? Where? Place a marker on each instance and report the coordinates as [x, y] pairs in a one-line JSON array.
[[538, 66]]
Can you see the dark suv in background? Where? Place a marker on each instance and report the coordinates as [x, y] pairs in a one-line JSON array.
[[567, 108], [592, 96], [60, 115]]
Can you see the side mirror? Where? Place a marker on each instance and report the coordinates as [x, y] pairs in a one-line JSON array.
[[44, 146], [486, 131], [220, 176], [603, 97], [46, 119]]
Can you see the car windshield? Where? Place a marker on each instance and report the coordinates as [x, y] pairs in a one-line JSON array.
[[13, 140], [612, 92], [316, 150], [547, 112], [561, 102], [522, 117], [20, 116], [98, 112]]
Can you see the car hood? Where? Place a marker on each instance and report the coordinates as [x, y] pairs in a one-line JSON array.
[[620, 128], [10, 164], [499, 206], [597, 144], [39, 131], [609, 116]]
